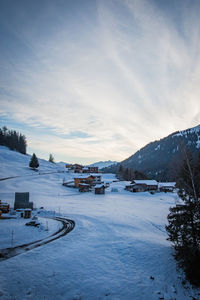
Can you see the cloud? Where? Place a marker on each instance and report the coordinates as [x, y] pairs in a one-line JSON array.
[[105, 84]]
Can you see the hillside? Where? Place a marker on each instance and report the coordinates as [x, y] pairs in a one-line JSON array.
[[159, 159], [117, 250], [16, 164]]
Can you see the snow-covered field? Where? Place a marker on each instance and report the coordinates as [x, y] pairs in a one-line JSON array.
[[117, 250]]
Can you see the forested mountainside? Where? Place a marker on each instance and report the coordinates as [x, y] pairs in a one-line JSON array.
[[160, 159]]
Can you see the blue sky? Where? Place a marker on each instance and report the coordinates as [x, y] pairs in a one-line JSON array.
[[97, 80]]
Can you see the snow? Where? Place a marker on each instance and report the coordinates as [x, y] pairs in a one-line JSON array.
[[117, 250], [166, 184], [147, 182], [195, 129], [16, 229], [157, 148], [98, 186]]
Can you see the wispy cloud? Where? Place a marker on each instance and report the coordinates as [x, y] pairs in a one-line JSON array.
[[106, 83]]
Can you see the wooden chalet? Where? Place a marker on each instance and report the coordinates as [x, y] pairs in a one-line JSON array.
[[84, 187], [78, 168], [136, 188], [148, 185], [88, 179], [90, 170]]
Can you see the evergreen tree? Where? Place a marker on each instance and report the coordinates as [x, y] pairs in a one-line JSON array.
[[34, 162], [51, 158], [184, 219]]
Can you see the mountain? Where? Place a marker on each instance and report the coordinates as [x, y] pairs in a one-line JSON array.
[[160, 159], [103, 164]]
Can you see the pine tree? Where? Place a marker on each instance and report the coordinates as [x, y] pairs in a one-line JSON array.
[[34, 162], [51, 158], [184, 219]]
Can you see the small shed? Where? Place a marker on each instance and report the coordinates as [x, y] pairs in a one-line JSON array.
[[84, 187], [99, 189]]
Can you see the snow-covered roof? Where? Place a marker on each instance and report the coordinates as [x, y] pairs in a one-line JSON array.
[[84, 184], [166, 184], [147, 182], [98, 186], [83, 176]]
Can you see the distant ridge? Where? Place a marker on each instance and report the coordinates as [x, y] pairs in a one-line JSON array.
[[159, 159], [103, 164]]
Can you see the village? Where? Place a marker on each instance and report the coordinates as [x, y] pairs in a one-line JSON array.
[[90, 179]]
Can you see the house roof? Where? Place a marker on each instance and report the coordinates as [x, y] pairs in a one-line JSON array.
[[147, 182], [83, 176], [166, 184], [99, 186]]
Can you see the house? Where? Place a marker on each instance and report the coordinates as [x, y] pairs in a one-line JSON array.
[[84, 187], [90, 170], [136, 187], [24, 213], [93, 169], [4, 207], [22, 201], [78, 168], [145, 185], [88, 179], [166, 186], [86, 170], [97, 179], [99, 189]]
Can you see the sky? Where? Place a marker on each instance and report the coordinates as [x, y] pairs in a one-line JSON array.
[[91, 80]]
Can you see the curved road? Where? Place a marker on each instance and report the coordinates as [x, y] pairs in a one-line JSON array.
[[68, 225]]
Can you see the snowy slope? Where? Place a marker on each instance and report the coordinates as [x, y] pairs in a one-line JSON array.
[[13, 163], [118, 249]]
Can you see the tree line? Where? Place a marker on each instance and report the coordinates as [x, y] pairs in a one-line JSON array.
[[13, 140], [129, 174]]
